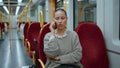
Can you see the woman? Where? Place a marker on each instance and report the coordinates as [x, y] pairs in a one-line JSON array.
[[61, 46]]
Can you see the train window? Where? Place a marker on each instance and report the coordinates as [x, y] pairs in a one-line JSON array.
[[59, 4], [90, 13], [34, 13], [85, 11]]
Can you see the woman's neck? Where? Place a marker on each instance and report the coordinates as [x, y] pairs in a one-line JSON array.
[[60, 32]]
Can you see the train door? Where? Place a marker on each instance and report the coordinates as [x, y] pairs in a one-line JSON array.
[[13, 21]]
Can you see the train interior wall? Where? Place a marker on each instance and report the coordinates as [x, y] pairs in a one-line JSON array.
[[107, 19]]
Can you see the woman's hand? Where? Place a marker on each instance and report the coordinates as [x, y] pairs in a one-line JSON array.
[[57, 58], [53, 26]]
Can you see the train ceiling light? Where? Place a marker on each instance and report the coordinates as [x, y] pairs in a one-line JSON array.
[[18, 7]]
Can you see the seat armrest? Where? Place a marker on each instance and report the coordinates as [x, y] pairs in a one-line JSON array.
[[41, 62]]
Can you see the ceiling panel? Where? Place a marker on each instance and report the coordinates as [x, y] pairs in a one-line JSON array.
[[13, 6]]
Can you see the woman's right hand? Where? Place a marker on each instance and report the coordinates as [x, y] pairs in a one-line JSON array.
[[52, 26]]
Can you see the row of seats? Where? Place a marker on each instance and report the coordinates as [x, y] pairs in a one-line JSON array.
[[32, 39], [94, 54], [2, 28], [20, 23]]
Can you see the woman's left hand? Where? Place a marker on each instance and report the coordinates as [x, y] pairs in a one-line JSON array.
[[54, 58]]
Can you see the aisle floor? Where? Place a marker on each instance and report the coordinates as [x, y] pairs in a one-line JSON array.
[[12, 51]]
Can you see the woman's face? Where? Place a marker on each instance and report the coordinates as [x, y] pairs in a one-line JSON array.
[[60, 19]]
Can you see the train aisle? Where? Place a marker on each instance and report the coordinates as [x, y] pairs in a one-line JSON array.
[[12, 51]]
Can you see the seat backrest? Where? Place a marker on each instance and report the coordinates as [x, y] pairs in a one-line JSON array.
[[25, 30], [0, 25], [19, 24], [3, 26], [40, 40], [32, 34], [94, 53]]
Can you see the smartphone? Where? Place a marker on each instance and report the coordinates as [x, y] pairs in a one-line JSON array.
[[54, 26]]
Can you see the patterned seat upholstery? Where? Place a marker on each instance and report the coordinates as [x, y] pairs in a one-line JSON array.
[[3, 26], [33, 32], [40, 45], [25, 30], [0, 29]]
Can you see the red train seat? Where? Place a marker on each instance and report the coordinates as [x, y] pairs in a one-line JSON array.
[[40, 45], [25, 30], [33, 32], [93, 45]]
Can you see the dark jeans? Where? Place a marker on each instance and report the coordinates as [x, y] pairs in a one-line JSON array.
[[67, 66]]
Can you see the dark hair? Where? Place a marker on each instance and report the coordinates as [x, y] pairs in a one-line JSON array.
[[59, 9]]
